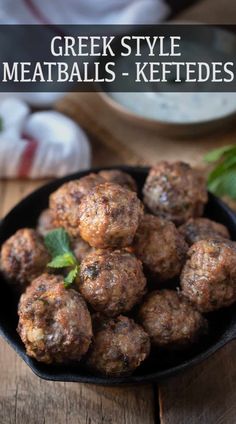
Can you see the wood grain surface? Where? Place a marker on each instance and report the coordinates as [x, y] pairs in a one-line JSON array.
[[204, 394], [25, 399]]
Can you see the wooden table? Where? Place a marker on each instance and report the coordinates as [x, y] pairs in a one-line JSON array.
[[205, 394]]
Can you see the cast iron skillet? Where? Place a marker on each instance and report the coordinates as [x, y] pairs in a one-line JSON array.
[[222, 324]]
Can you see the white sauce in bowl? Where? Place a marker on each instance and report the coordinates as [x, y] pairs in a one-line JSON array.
[[174, 107], [178, 107]]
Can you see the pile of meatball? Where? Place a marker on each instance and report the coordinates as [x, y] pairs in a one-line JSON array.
[[119, 307]]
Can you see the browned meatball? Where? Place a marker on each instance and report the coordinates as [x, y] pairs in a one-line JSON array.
[[23, 257], [175, 191], [112, 281], [109, 216], [64, 202], [80, 248], [208, 278], [120, 346], [54, 322], [160, 247], [202, 229], [45, 222], [170, 320], [119, 177]]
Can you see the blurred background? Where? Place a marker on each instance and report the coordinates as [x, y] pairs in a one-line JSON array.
[[100, 130], [44, 136]]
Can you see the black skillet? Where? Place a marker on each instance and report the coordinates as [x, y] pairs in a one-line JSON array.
[[222, 324]]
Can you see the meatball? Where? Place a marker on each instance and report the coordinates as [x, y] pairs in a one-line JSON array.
[[112, 282], [54, 322], [23, 257], [120, 346], [170, 320], [80, 248], [45, 222], [64, 202], [208, 278], [119, 177], [175, 191], [202, 229], [109, 216], [160, 247]]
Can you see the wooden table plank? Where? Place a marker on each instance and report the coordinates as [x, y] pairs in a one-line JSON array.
[[204, 394], [14, 190], [24, 398]]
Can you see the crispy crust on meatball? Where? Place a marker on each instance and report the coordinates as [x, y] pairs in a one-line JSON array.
[[109, 216], [80, 248], [45, 222], [175, 191], [23, 257], [196, 229], [54, 322], [170, 320], [119, 347], [208, 278], [160, 247], [112, 282], [64, 202], [119, 177]]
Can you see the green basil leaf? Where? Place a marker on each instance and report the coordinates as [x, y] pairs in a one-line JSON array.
[[224, 184], [220, 169], [217, 154]]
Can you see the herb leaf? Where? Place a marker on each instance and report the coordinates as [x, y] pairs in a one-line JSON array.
[[221, 168], [216, 154], [222, 178], [69, 279], [58, 244], [225, 184], [62, 261]]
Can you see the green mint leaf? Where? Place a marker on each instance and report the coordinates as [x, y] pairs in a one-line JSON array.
[[215, 187], [221, 168], [69, 279], [58, 245], [222, 179], [225, 184], [62, 261], [57, 242], [217, 154], [215, 173], [228, 185]]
